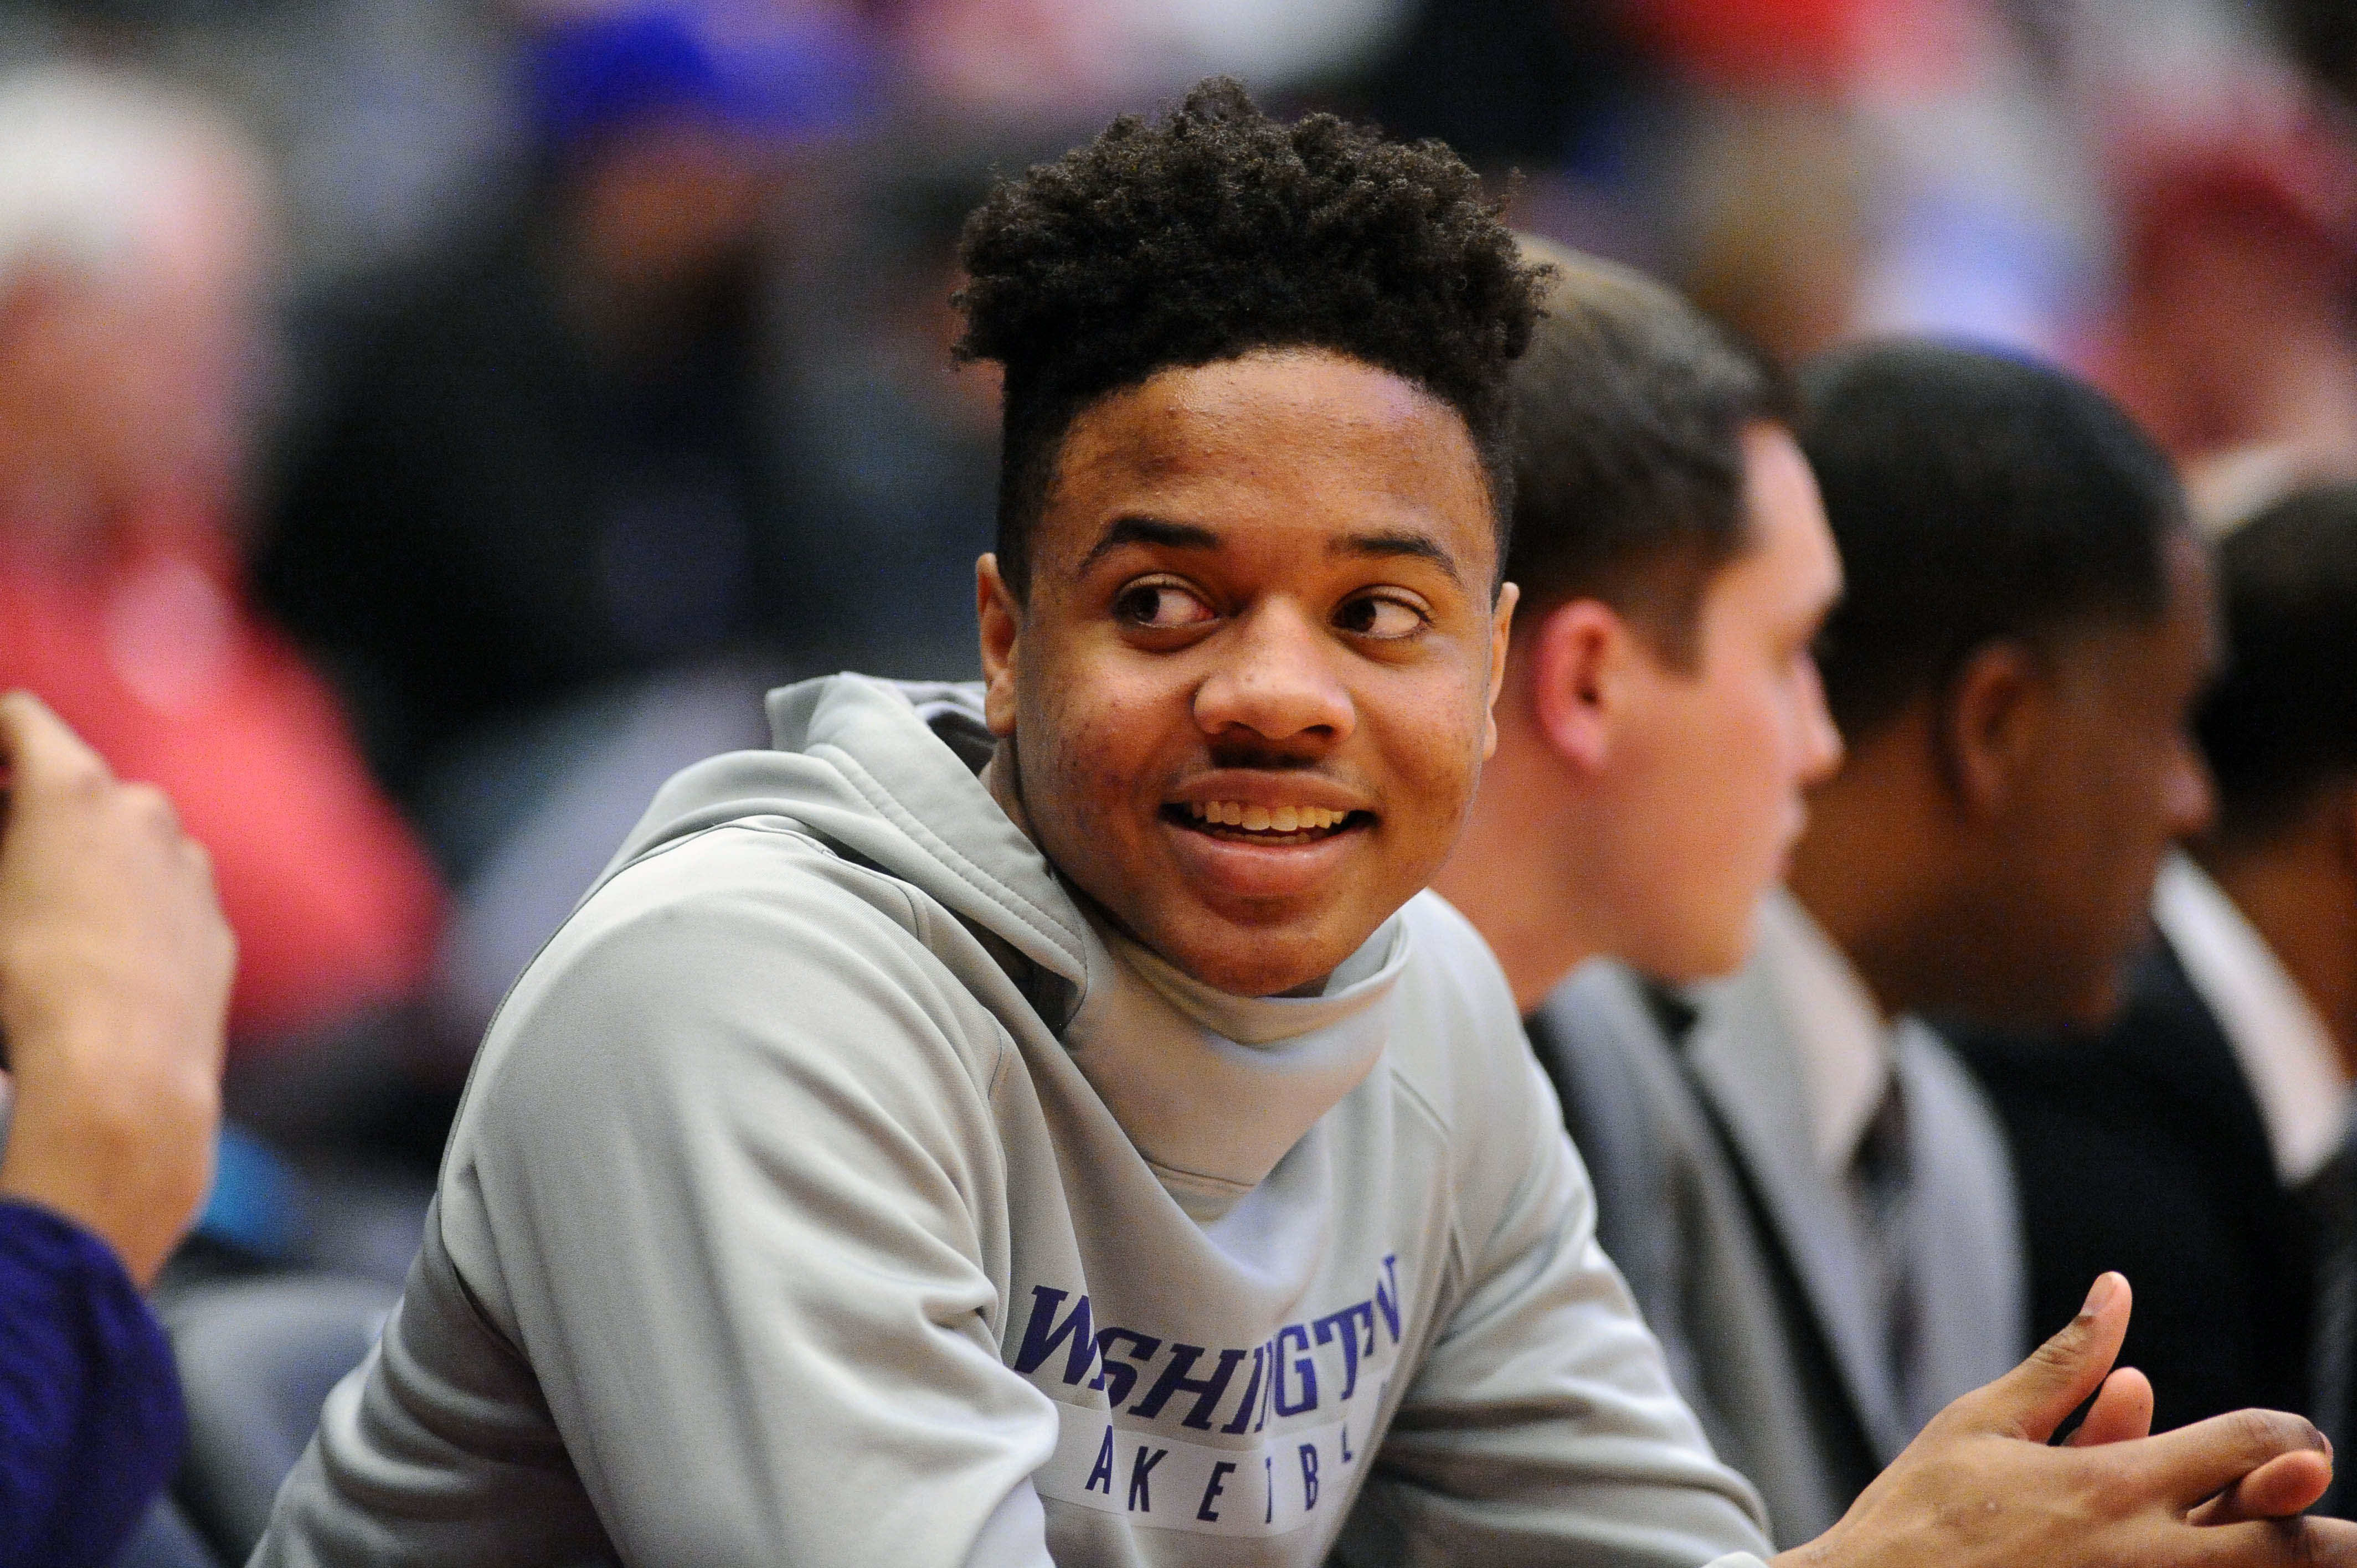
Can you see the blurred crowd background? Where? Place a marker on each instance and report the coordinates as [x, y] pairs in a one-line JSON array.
[[427, 424]]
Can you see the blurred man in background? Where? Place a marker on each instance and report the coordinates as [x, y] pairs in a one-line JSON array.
[[114, 974], [1809, 1197], [1658, 719], [2197, 1140], [546, 523], [2235, 340], [135, 245], [547, 461]]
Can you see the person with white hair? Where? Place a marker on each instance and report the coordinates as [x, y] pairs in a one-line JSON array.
[[135, 245]]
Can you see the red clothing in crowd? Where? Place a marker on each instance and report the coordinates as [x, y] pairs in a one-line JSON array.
[[153, 656]]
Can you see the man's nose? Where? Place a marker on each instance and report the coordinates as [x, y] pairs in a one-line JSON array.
[[1276, 678], [1821, 746]]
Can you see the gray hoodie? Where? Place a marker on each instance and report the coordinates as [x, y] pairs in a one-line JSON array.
[[834, 1190]]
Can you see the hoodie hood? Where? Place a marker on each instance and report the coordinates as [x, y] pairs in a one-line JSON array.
[[886, 773]]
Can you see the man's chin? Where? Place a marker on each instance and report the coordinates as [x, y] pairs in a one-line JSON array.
[[1697, 956], [1244, 962], [1257, 977]]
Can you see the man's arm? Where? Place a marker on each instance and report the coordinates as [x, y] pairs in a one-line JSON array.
[[713, 1273], [743, 1183], [114, 969]]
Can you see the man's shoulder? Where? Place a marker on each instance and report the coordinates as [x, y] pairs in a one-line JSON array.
[[1603, 1010], [742, 951], [756, 885], [1612, 1043]]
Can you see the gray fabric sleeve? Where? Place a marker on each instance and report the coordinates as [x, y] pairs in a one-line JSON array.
[[741, 1185], [1542, 1426], [436, 1450], [726, 1191]]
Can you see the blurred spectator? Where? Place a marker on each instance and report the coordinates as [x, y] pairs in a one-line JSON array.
[[901, 441], [1506, 83], [115, 970], [1775, 203], [2196, 1141], [2236, 343], [1066, 60], [1857, 168], [133, 242], [547, 462]]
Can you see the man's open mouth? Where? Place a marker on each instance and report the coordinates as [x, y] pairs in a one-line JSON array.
[[1240, 823]]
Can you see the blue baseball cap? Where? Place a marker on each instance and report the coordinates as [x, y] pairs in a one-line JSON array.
[[746, 68]]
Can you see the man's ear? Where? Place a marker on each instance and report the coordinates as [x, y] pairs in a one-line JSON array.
[[1501, 635], [1992, 724], [1578, 654], [1000, 614]]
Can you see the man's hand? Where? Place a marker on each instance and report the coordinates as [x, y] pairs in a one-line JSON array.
[[1980, 1488], [114, 975]]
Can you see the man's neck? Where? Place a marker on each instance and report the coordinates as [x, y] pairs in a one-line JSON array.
[[1863, 873], [2302, 900], [1508, 887]]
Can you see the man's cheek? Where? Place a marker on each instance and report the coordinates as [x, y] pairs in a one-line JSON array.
[[1094, 758]]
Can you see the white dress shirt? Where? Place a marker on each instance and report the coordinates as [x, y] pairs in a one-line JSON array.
[[1845, 1044], [2287, 1054]]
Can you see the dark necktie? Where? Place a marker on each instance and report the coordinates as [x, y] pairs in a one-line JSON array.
[[2330, 1196], [1878, 1192]]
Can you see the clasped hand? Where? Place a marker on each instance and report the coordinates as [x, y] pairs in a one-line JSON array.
[[1982, 1488]]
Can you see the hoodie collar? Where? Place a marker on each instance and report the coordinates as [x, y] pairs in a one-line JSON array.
[[1212, 1089]]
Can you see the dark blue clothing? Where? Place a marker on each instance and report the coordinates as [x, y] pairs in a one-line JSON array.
[[90, 1421]]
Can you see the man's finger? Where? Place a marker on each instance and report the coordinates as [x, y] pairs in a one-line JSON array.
[[2039, 1395], [2122, 1413], [2304, 1542], [2286, 1484], [38, 749], [2195, 1463]]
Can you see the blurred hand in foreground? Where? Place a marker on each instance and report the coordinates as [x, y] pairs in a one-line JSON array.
[[1980, 1488], [114, 975]]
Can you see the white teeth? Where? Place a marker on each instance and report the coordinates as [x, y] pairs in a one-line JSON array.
[[1265, 818]]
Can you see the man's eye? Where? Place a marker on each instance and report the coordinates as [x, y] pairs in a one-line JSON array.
[[1161, 607], [1379, 618]]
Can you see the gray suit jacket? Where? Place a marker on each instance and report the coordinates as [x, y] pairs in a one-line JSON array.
[[1745, 1258]]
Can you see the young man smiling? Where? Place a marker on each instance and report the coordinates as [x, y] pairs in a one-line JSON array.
[[894, 1165]]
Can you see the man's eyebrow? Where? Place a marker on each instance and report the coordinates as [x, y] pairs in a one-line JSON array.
[[1376, 545], [1148, 530]]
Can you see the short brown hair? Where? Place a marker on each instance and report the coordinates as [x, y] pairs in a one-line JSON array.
[[1629, 407]]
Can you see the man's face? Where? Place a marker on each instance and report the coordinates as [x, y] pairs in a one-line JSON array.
[[134, 383], [1708, 765], [2114, 780], [1260, 589]]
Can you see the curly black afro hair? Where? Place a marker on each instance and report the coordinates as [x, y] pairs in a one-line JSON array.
[[1218, 231]]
